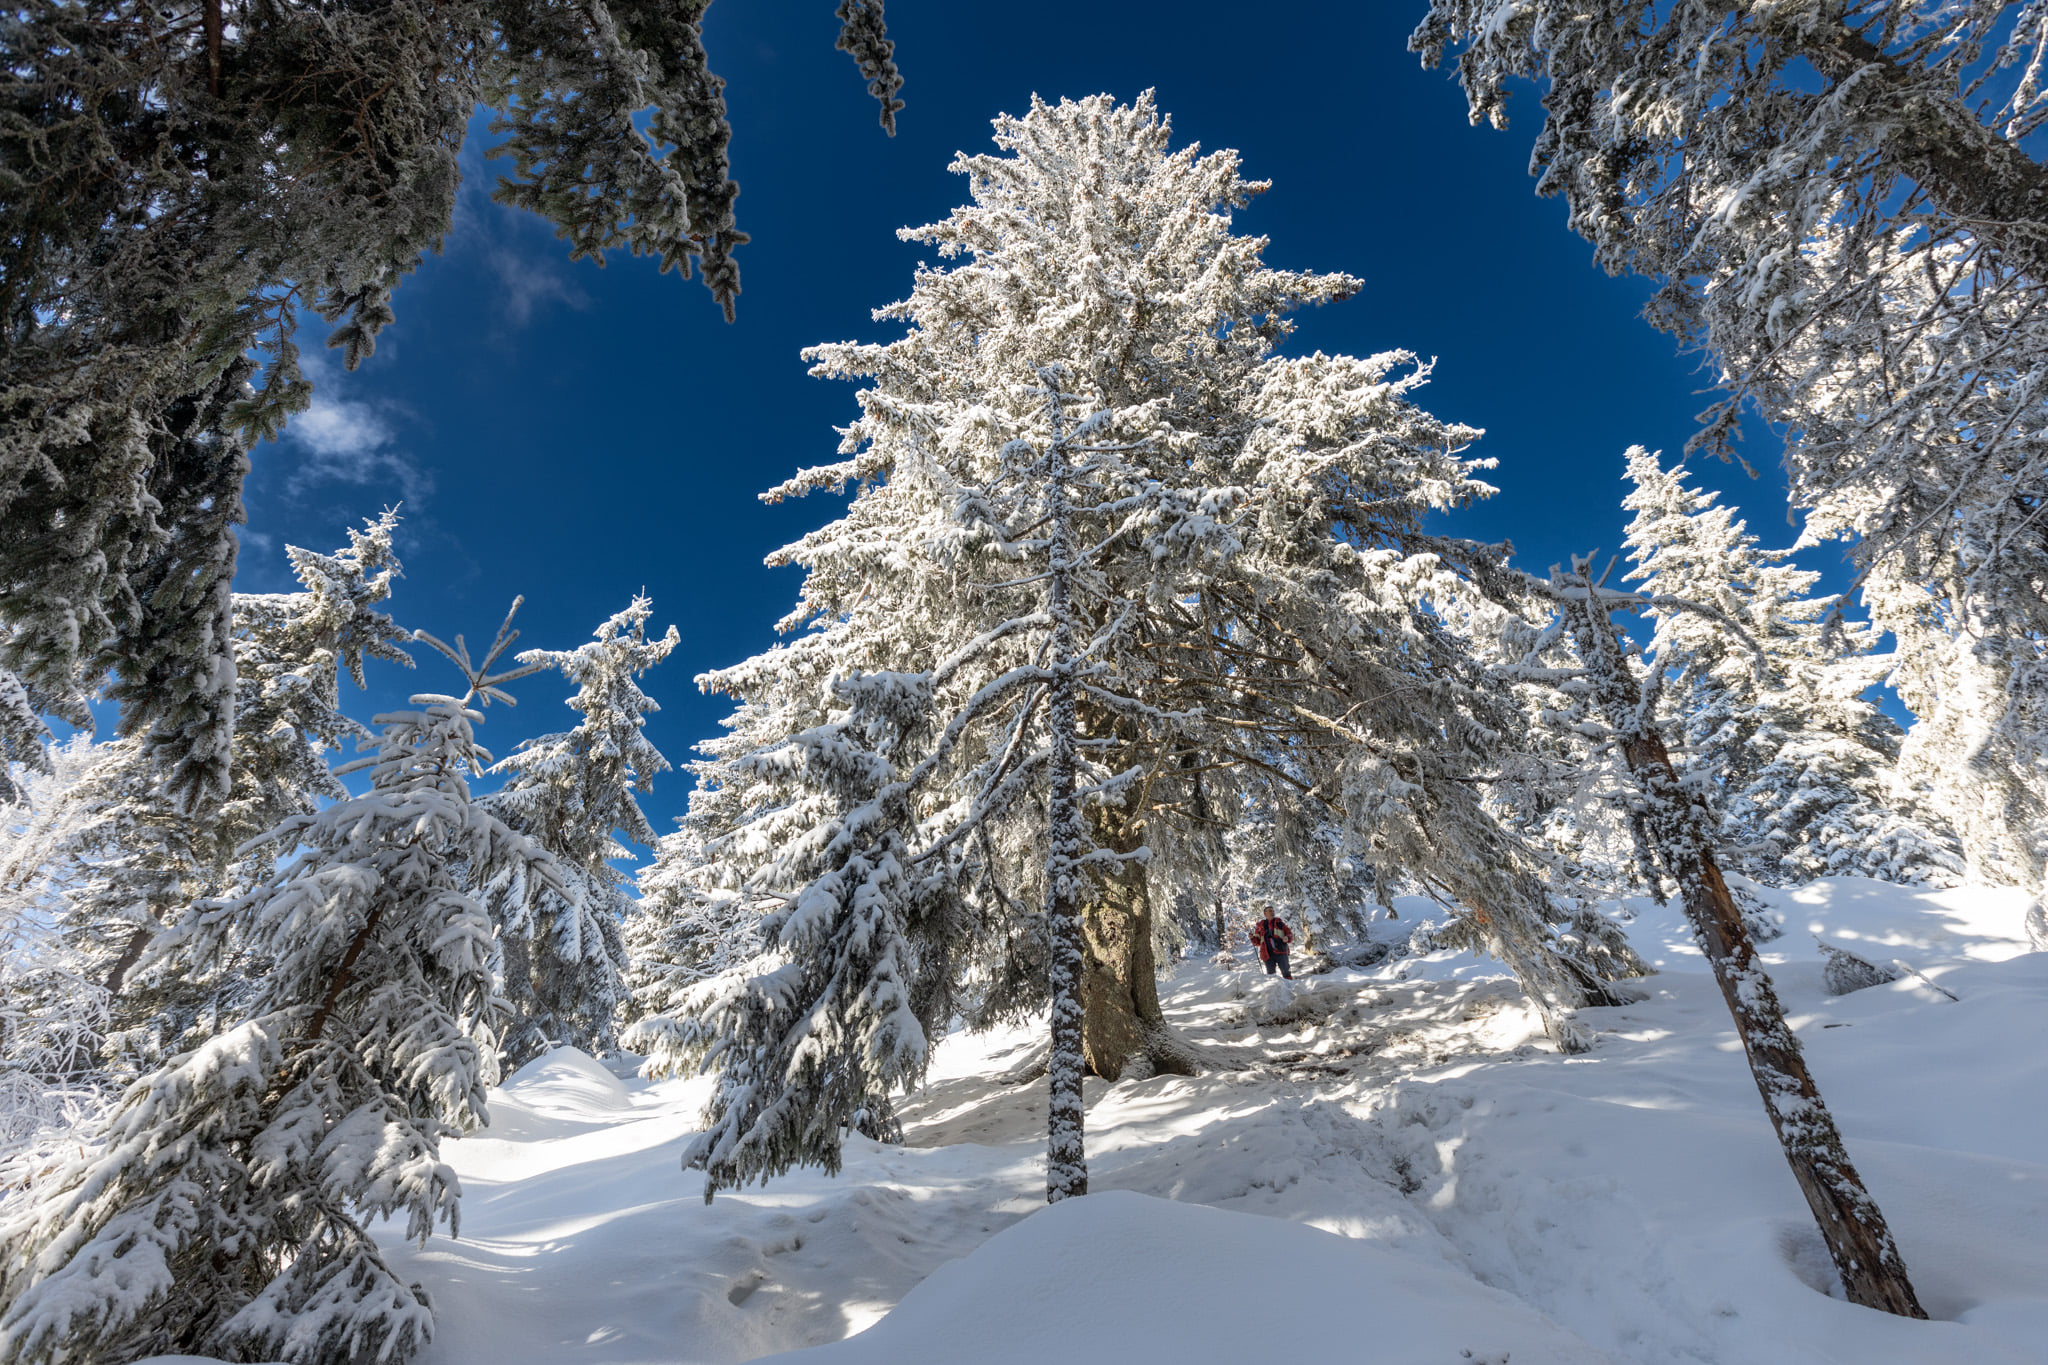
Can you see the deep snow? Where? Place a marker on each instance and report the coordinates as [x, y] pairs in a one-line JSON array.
[[1454, 1185]]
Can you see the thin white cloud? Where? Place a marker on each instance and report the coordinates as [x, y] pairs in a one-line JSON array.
[[348, 440], [341, 429], [530, 264], [529, 283]]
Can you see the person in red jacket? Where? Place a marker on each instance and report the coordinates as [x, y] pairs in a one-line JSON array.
[[1272, 937]]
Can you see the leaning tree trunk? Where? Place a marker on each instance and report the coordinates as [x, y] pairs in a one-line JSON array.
[[1676, 820], [1873, 1273]]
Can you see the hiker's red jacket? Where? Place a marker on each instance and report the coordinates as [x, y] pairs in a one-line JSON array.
[[1266, 930]]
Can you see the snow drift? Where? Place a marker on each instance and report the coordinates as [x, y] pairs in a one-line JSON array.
[[1121, 1277]]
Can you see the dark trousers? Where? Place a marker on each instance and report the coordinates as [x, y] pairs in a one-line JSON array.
[[1278, 963]]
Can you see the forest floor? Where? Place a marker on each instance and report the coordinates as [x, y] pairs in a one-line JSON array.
[[1408, 1173]]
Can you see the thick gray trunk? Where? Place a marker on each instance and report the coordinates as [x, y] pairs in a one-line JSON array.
[[1120, 986]]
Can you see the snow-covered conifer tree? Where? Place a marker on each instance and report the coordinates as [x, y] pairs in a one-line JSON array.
[[685, 928], [221, 1209], [1256, 602], [573, 794], [291, 652], [1803, 758], [125, 853], [53, 1006], [22, 736]]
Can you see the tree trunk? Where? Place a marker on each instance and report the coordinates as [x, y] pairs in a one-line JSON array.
[[343, 974], [131, 953], [1120, 986], [1985, 184], [1873, 1273], [210, 21], [1066, 1156], [1066, 1161], [1676, 820]]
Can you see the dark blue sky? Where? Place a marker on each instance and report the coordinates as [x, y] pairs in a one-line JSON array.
[[577, 434]]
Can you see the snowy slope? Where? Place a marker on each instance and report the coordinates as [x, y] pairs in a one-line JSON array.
[[1124, 1277], [1632, 1200]]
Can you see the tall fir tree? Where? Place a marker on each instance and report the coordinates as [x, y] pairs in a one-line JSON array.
[[574, 794], [1250, 578], [1803, 758]]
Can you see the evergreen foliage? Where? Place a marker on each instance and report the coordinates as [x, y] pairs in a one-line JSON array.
[[1843, 206], [684, 928], [1255, 605], [22, 736], [221, 1209], [178, 188], [53, 1011], [573, 794], [1803, 759], [120, 856]]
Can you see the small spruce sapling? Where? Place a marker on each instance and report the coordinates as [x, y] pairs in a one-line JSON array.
[[574, 794]]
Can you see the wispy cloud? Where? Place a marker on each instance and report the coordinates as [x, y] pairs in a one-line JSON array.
[[529, 283], [530, 265], [349, 440]]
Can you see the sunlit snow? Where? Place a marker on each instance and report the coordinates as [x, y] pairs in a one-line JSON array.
[[1425, 1177]]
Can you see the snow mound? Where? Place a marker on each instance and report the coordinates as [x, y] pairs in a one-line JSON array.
[[557, 1094], [1285, 1002], [1120, 1277], [568, 1079]]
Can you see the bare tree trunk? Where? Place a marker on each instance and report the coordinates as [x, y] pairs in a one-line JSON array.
[[1066, 1158], [131, 953], [1873, 1273], [210, 21], [1066, 1164]]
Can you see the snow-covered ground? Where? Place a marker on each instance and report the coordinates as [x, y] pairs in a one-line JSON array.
[[1431, 1183]]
